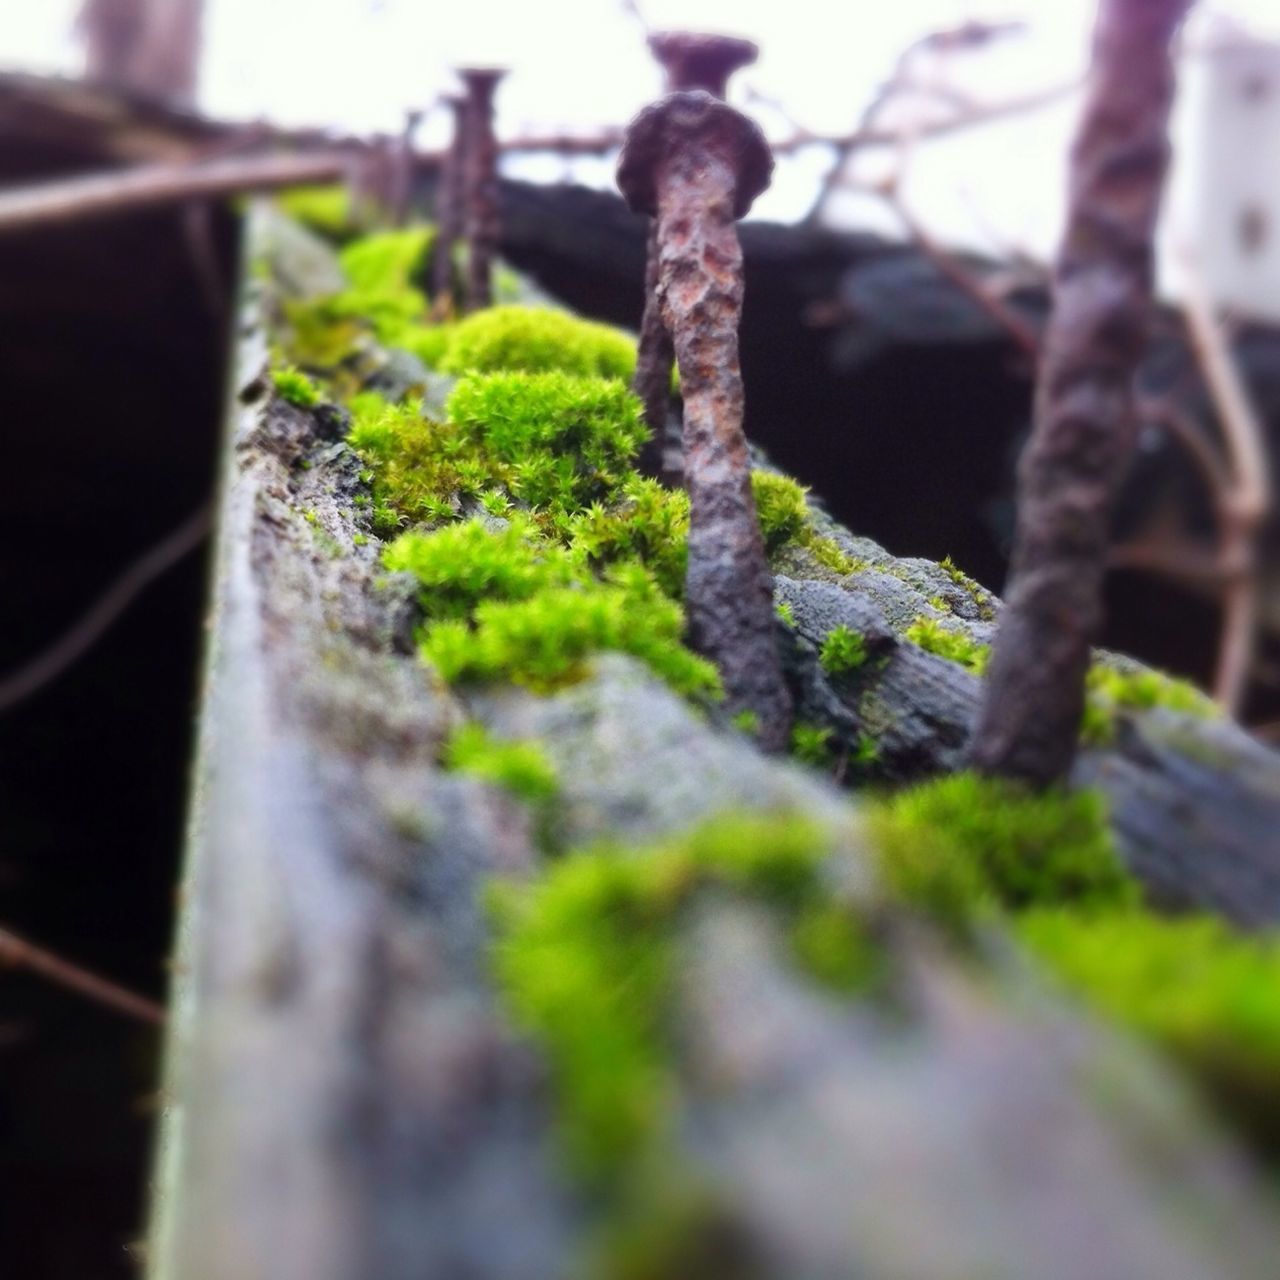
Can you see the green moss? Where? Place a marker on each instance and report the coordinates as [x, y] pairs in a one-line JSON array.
[[520, 767], [955, 646], [538, 340], [294, 386], [843, 650], [784, 611], [387, 261], [1109, 692], [464, 565], [568, 440], [1202, 991], [980, 596], [325, 209], [747, 722], [428, 342], [545, 641], [829, 554], [965, 845], [811, 743], [587, 958], [647, 522], [781, 507], [420, 468]]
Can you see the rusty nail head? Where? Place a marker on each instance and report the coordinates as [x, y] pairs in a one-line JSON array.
[[699, 60], [675, 127]]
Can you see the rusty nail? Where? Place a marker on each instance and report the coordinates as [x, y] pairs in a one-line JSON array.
[[696, 165], [449, 198], [402, 175], [1083, 434], [481, 218], [690, 60]]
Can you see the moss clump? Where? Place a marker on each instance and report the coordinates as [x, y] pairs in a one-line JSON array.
[[955, 646], [1202, 991], [1110, 692], [460, 567], [545, 641], [647, 522], [520, 767], [294, 386], [843, 650], [811, 743], [387, 261], [420, 469], [781, 506], [538, 340], [325, 209], [568, 440], [587, 958], [964, 846]]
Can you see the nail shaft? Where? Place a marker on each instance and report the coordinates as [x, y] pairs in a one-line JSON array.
[[697, 165], [689, 61], [449, 204], [482, 217]]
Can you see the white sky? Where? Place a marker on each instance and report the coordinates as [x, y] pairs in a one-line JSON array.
[[577, 64]]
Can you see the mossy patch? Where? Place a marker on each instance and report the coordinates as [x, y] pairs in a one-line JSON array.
[[1110, 692], [781, 507], [587, 959], [520, 767], [955, 646], [294, 386], [325, 209], [964, 846], [545, 641], [842, 651], [569, 440], [1197, 988], [537, 340]]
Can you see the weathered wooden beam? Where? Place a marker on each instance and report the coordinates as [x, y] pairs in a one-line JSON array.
[[347, 1098]]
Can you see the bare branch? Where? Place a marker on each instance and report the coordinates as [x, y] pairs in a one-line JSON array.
[[50, 664], [57, 203], [20, 954], [1248, 497]]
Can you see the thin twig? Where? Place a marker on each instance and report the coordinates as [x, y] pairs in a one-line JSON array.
[[21, 954], [1248, 498], [1023, 336], [53, 661], [69, 200]]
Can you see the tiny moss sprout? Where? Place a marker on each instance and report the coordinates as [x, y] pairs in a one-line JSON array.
[[325, 209], [811, 743], [1110, 692], [843, 650], [784, 611], [781, 507], [294, 386], [520, 767], [955, 646]]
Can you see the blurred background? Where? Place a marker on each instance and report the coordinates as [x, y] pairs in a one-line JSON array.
[[897, 279]]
